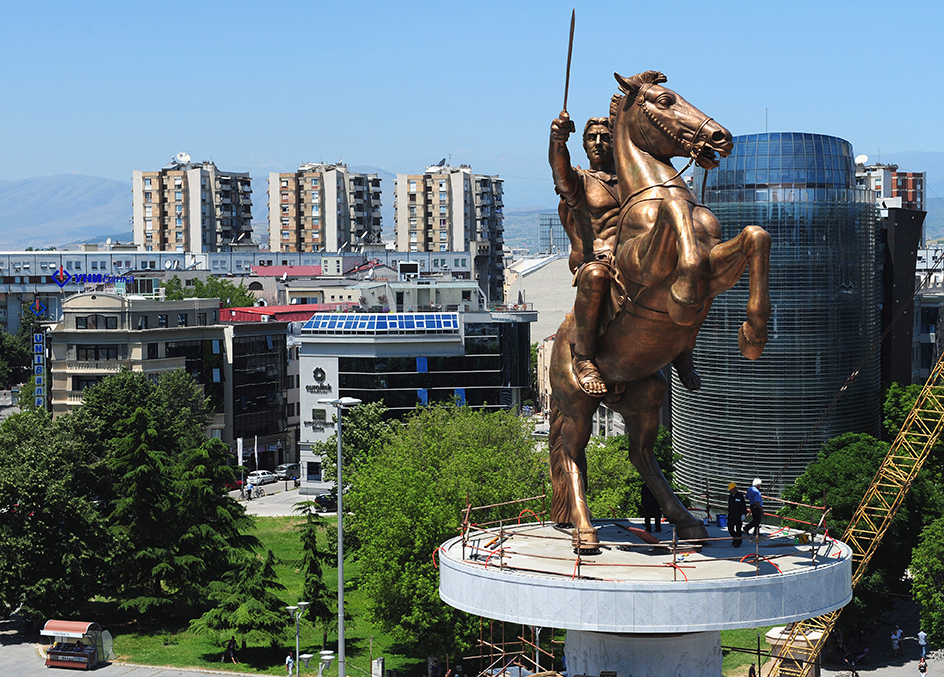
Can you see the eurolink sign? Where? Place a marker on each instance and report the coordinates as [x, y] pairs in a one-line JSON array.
[[62, 277]]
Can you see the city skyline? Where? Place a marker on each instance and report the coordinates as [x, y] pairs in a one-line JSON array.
[[265, 88]]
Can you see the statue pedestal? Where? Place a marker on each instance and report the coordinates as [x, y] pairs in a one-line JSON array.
[[693, 654], [635, 604]]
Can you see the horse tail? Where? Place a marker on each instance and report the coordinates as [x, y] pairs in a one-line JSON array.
[[562, 494]]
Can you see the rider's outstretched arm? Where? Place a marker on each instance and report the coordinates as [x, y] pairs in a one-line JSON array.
[[565, 178]]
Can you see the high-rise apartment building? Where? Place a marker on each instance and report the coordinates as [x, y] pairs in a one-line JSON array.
[[451, 209], [191, 207], [323, 207], [768, 418]]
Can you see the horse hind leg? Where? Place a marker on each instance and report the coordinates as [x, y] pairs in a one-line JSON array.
[[567, 440], [751, 248]]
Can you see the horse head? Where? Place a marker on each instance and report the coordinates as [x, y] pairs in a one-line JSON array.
[[662, 123]]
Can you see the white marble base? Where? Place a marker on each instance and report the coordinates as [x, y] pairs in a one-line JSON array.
[[693, 654]]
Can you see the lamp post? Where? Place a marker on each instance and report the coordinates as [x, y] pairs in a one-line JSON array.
[[295, 612], [339, 404]]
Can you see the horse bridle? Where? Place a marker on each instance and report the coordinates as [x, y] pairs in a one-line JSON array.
[[693, 149]]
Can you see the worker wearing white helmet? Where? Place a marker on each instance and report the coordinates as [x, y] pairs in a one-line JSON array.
[[756, 503]]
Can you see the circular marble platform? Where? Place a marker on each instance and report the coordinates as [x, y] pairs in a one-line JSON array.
[[632, 587]]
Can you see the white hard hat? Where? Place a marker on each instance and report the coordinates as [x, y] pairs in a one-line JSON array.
[[757, 482]]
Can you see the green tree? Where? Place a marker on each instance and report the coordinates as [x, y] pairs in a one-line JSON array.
[[843, 472], [321, 612], [53, 541], [364, 429], [927, 571], [245, 604], [229, 294], [142, 519], [408, 496]]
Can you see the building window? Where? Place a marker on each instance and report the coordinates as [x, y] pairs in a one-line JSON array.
[[148, 224], [285, 196], [412, 210], [443, 236], [314, 198], [442, 223], [162, 320], [179, 209], [201, 319], [152, 351], [285, 234], [148, 238], [413, 248], [412, 186], [284, 183], [147, 183], [142, 322], [413, 236], [285, 209], [178, 182], [315, 209], [147, 196], [181, 319], [442, 209], [179, 222], [442, 197], [442, 248], [178, 195]]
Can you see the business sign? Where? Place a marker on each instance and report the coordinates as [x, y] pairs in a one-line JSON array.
[[39, 368], [62, 277]]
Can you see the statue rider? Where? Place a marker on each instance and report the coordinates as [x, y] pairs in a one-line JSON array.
[[589, 212]]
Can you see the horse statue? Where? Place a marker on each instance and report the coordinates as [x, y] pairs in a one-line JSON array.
[[672, 263]]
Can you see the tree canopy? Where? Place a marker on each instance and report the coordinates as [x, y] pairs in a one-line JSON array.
[[229, 294], [927, 571], [408, 496]]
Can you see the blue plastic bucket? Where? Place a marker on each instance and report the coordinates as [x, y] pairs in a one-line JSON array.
[[723, 521]]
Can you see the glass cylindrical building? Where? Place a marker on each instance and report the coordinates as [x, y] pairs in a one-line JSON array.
[[750, 418]]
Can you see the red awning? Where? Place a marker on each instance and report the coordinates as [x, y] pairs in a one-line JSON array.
[[68, 628]]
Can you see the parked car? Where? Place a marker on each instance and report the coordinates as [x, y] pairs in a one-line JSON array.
[[327, 502], [287, 471], [260, 477]]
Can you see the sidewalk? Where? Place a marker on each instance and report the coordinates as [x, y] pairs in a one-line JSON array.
[[881, 662]]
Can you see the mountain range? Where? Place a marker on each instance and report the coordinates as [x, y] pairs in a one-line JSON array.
[[53, 211]]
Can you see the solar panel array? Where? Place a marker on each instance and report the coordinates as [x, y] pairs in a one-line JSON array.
[[373, 324]]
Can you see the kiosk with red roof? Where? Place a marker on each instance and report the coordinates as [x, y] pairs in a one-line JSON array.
[[76, 644]]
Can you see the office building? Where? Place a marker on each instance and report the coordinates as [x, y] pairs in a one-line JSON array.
[[191, 207], [241, 366], [323, 207], [750, 417], [454, 349], [451, 209]]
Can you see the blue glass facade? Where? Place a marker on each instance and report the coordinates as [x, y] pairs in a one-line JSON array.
[[749, 418]]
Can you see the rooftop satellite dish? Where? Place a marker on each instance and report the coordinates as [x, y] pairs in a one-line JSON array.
[[861, 159], [182, 158]]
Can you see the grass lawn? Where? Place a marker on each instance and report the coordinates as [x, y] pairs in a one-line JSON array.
[[174, 645]]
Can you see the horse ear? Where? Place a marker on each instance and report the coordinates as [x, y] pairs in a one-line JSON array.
[[627, 86]]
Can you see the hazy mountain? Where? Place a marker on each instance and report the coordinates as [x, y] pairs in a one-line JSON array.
[[54, 210]]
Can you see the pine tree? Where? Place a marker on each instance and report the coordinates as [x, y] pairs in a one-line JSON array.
[[320, 612]]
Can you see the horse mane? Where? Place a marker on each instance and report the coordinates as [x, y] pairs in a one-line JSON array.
[[644, 78]]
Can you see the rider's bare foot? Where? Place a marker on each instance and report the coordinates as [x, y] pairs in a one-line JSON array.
[[685, 369], [588, 376]]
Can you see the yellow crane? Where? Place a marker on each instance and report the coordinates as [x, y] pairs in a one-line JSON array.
[[875, 513]]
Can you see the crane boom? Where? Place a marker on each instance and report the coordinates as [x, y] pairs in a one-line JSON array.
[[875, 513]]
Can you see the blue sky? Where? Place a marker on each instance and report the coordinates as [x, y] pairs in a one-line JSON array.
[[105, 88]]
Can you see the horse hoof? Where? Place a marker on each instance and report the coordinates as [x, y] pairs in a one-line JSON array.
[[750, 346], [585, 539], [691, 531]]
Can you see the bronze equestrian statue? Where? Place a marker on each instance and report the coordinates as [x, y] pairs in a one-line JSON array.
[[648, 260]]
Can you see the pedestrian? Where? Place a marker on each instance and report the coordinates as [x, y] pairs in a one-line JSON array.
[[923, 642], [651, 510], [231, 649], [289, 662], [896, 641], [922, 666], [751, 672], [249, 491], [756, 503], [736, 510]]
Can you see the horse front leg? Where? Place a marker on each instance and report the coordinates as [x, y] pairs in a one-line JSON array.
[[670, 246], [639, 407], [751, 248]]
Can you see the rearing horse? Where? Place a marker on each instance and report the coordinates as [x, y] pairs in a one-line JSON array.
[[672, 263]]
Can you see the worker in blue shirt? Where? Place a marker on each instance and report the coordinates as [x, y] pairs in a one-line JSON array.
[[756, 504]]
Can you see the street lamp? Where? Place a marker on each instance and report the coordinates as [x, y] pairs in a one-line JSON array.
[[295, 612], [340, 404]]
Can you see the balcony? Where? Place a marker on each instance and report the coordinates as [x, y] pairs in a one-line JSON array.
[[108, 366]]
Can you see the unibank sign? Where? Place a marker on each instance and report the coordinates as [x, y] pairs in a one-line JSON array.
[[62, 277]]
